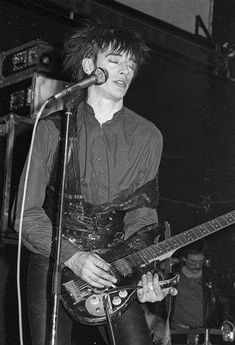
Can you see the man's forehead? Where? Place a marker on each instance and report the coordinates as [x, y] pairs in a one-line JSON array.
[[199, 256], [118, 52]]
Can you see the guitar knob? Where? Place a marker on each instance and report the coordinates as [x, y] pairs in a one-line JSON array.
[[117, 300], [94, 300], [122, 293]]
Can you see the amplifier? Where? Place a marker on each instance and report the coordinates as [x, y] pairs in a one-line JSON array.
[[34, 56], [15, 137], [27, 94]]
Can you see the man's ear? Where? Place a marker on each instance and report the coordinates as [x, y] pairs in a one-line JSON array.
[[88, 65]]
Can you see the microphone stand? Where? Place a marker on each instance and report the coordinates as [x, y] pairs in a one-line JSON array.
[[56, 280], [99, 76]]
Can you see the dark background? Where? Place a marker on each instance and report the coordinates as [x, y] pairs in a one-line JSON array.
[[190, 103]]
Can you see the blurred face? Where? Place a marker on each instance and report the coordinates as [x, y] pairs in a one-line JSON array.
[[121, 69], [194, 262]]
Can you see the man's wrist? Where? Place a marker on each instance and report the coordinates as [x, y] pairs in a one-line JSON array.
[[70, 262]]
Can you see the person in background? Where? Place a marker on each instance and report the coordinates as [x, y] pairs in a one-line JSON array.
[[200, 303], [111, 188]]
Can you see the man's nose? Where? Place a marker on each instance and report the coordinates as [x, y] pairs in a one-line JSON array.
[[124, 68]]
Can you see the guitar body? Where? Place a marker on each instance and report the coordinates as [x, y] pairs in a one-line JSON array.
[[86, 303]]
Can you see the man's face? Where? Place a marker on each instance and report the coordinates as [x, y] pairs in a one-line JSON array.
[[194, 262], [121, 69]]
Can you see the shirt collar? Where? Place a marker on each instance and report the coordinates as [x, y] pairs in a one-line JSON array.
[[89, 111]]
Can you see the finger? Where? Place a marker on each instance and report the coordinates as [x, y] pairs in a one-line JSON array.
[[101, 263], [144, 281], [149, 278], [141, 295], [170, 291], [104, 275], [99, 267], [157, 288], [145, 293], [173, 291], [156, 284], [94, 280], [93, 283]]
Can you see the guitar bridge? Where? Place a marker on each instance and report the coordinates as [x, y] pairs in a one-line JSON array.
[[74, 292]]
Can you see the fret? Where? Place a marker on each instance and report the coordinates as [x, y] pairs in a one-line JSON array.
[[146, 255], [157, 251], [163, 246], [187, 236], [174, 242], [170, 245], [137, 259], [115, 268], [216, 224], [178, 239], [193, 234], [185, 239], [210, 227], [142, 255], [123, 267], [223, 221], [133, 259], [204, 230], [154, 250], [230, 218]]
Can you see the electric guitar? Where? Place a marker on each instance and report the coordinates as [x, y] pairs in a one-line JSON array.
[[129, 260]]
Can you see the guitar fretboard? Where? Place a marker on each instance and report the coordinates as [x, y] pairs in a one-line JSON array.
[[170, 245]]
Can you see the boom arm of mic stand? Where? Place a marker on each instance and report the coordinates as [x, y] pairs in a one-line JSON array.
[[56, 281]]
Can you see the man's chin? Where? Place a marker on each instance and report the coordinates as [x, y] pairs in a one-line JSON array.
[[195, 271]]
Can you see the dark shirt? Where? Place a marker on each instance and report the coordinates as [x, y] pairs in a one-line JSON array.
[[188, 310], [115, 158], [205, 304]]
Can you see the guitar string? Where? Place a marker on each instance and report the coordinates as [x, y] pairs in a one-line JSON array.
[[169, 244], [183, 239]]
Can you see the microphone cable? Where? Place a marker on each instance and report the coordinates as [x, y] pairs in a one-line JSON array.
[[21, 222]]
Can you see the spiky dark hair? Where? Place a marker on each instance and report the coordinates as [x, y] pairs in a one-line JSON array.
[[87, 42]]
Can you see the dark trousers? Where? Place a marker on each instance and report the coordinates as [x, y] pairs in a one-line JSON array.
[[129, 329]]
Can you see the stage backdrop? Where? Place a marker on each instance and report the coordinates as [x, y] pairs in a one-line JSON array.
[[180, 13]]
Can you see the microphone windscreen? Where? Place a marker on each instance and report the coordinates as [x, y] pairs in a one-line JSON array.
[[102, 75]]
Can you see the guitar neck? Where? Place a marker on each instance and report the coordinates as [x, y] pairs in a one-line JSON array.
[[167, 247]]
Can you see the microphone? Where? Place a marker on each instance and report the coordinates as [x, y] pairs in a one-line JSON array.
[[97, 77]]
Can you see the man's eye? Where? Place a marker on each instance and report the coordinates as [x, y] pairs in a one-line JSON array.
[[113, 61]]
